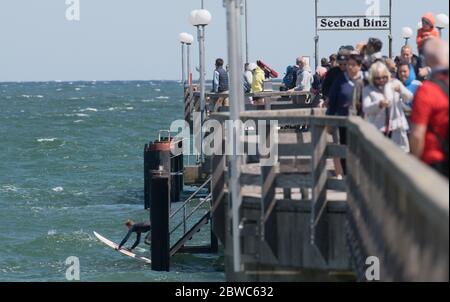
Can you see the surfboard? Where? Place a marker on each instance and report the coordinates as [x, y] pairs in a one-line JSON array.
[[124, 252]]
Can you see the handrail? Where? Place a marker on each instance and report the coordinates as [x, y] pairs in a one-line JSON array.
[[190, 198], [207, 198]]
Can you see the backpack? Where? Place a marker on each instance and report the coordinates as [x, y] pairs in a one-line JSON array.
[[443, 141], [290, 79]]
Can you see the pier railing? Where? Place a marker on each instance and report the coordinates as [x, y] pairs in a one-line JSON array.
[[273, 100], [398, 208]]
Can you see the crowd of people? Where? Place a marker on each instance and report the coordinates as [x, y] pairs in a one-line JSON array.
[[405, 98]]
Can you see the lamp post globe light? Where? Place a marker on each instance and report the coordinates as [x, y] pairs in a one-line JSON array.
[[186, 41], [407, 33], [200, 18], [441, 22]]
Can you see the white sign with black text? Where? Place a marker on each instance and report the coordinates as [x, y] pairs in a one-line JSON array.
[[354, 23]]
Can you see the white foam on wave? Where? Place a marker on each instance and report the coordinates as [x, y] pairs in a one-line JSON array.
[[113, 108], [130, 108], [89, 109], [147, 101], [82, 115], [58, 189], [46, 140], [78, 89], [51, 232], [9, 188], [158, 90], [163, 98], [78, 121]]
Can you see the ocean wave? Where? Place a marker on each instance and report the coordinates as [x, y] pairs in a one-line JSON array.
[[58, 189], [158, 90], [129, 108], [89, 109], [163, 98], [46, 140], [8, 188], [78, 121], [82, 115], [27, 96]]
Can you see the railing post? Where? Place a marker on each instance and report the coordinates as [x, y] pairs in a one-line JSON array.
[[319, 225]]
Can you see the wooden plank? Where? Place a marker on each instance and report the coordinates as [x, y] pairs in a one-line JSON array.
[[336, 150]]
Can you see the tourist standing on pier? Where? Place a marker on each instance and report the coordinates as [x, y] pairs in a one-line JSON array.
[[220, 81], [338, 68], [248, 78], [341, 94], [304, 76], [373, 52], [404, 75], [417, 70], [429, 135], [382, 105]]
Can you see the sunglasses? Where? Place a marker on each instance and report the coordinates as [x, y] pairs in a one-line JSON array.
[[381, 78], [426, 22]]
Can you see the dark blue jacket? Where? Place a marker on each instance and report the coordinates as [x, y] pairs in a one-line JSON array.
[[341, 96]]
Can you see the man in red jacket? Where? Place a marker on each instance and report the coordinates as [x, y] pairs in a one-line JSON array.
[[429, 136]]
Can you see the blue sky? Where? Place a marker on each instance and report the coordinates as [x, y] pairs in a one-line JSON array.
[[138, 39]]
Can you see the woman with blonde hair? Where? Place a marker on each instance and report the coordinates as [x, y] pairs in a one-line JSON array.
[[382, 104]]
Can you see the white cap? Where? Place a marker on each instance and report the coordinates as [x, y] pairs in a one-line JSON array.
[[252, 66]]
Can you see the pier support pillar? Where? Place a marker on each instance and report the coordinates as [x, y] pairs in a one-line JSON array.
[[159, 216]]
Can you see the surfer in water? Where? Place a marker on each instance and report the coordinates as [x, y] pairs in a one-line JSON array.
[[137, 228]]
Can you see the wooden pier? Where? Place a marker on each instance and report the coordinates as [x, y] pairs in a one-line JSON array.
[[299, 222]]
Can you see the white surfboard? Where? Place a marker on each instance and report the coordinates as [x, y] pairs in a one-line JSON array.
[[124, 252]]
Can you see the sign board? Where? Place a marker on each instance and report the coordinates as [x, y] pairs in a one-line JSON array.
[[325, 23]]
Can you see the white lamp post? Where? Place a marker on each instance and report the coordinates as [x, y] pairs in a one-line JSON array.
[[201, 18], [186, 40], [407, 33], [441, 22]]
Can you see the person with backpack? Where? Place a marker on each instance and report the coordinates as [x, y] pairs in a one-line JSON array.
[[290, 78], [429, 136]]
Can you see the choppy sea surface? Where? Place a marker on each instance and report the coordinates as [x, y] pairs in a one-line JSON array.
[[71, 162]]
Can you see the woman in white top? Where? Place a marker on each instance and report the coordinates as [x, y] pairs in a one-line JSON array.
[[382, 104]]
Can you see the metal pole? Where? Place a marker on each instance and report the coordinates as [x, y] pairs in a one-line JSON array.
[[316, 38], [236, 107], [246, 33], [201, 37], [203, 4], [390, 29], [188, 55], [183, 63]]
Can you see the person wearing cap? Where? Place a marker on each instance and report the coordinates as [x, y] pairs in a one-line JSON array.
[[258, 77], [341, 98], [335, 72], [427, 31], [137, 228]]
